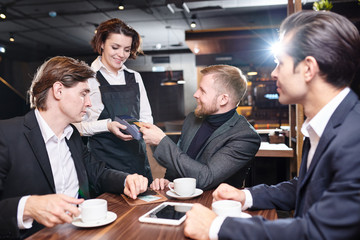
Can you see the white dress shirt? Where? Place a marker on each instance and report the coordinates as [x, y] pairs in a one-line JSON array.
[[90, 124], [312, 128], [62, 166]]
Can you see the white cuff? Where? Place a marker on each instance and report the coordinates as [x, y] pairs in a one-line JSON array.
[[103, 127], [248, 200], [23, 223], [215, 227]]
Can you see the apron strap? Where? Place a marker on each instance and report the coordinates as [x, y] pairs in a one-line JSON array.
[[129, 78], [101, 79]]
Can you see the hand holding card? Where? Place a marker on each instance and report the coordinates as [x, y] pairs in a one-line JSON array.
[[131, 128]]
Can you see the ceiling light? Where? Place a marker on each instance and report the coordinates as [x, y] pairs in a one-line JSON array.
[[95, 26], [185, 7], [12, 38], [121, 5], [2, 13], [193, 23], [171, 9], [2, 49]]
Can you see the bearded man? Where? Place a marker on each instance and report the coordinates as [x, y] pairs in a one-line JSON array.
[[216, 143]]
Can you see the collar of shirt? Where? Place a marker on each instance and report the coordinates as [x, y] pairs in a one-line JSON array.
[[46, 131], [320, 120]]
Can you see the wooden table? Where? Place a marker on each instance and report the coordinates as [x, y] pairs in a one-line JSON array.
[[127, 226]]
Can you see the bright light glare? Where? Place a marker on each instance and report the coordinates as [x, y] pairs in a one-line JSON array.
[[2, 50], [276, 48]]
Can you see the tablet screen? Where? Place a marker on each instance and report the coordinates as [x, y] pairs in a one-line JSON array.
[[167, 213], [170, 212]]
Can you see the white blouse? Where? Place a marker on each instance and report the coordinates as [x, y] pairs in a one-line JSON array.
[[90, 125]]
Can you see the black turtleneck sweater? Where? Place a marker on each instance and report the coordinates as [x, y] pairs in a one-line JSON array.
[[208, 126]]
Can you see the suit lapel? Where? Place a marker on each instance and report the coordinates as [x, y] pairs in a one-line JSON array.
[[36, 141], [330, 132], [328, 135]]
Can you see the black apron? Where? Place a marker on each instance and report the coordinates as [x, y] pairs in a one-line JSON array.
[[126, 156]]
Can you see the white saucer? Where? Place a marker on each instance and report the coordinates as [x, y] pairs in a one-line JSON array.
[[110, 217], [197, 192]]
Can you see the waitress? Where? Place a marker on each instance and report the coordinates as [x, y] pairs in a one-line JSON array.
[[116, 91]]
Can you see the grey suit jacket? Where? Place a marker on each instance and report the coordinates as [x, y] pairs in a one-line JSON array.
[[25, 170], [224, 157], [326, 197]]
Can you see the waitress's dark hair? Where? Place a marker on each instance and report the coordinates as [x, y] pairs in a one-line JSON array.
[[328, 37], [115, 25]]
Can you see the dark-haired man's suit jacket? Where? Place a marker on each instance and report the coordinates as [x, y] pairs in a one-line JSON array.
[[25, 170], [225, 156], [326, 197]]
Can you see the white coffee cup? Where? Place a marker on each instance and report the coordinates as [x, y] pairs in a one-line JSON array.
[[183, 187], [227, 208], [93, 210]]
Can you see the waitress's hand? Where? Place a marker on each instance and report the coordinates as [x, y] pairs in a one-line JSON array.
[[115, 128]]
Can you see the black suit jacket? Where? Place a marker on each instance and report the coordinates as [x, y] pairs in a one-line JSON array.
[[25, 170], [326, 197]]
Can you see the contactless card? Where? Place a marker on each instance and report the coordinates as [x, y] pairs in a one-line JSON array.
[[137, 124]]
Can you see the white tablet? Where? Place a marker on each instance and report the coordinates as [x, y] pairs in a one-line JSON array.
[[170, 213]]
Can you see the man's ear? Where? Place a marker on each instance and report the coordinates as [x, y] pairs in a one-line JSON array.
[[57, 90], [311, 68], [224, 99]]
